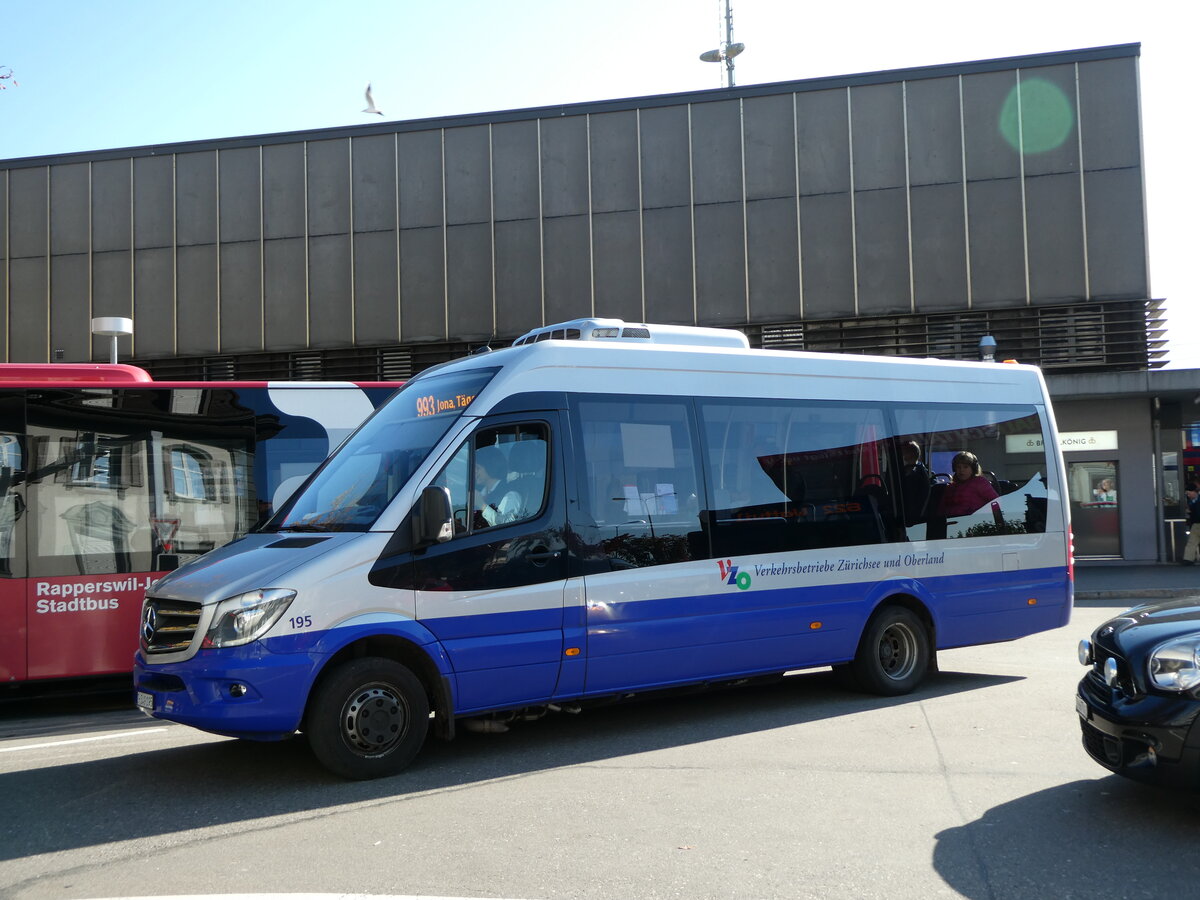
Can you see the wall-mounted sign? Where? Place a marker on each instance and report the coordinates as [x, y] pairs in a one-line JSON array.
[[1067, 441]]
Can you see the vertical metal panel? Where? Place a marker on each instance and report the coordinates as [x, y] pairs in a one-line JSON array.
[[69, 209], [330, 312], [617, 251], [285, 295], [197, 314], [568, 269], [934, 131], [241, 297], [28, 310], [720, 264], [111, 205], [823, 141], [826, 238], [196, 198], [939, 248], [469, 281], [669, 269], [881, 219], [422, 283], [240, 195], [518, 277], [374, 189], [772, 248], [376, 284], [997, 243], [112, 295], [770, 147], [468, 177], [988, 155], [717, 151], [1056, 261], [420, 164], [1109, 114], [665, 159], [154, 302], [614, 158], [4, 215], [283, 190], [70, 307], [515, 170], [328, 174], [154, 200], [1049, 120], [29, 216], [1116, 234], [877, 111], [564, 154]]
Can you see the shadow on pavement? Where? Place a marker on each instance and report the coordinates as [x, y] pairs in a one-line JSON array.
[[140, 795], [1110, 837]]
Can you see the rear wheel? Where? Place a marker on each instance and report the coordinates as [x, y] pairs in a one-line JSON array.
[[368, 718], [893, 654]]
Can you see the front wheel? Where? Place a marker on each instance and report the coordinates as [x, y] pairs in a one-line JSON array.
[[893, 654], [367, 718]]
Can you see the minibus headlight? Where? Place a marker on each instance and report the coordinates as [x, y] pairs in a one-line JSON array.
[[1175, 665], [247, 617]]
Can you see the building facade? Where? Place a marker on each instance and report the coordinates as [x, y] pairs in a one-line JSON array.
[[904, 212]]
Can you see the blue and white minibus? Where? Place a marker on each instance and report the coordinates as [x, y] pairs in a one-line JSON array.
[[606, 509]]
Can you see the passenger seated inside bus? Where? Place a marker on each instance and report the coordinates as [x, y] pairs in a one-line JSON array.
[[968, 489]]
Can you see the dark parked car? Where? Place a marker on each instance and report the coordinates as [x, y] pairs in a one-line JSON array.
[[1139, 703]]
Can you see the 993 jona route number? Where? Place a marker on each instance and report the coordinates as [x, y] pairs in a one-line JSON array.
[[431, 405]]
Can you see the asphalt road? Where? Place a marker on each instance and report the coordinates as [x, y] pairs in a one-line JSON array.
[[975, 786]]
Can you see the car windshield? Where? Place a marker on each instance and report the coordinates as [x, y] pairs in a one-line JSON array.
[[353, 487]]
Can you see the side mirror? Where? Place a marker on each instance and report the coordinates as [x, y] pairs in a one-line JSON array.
[[433, 518]]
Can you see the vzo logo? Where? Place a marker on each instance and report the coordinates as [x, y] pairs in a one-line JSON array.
[[729, 572]]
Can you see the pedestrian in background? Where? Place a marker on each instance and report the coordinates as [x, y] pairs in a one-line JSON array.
[[1191, 550]]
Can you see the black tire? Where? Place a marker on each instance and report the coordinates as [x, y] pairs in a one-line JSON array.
[[893, 654], [367, 718]]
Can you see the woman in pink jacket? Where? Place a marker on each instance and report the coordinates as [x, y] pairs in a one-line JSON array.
[[968, 489]]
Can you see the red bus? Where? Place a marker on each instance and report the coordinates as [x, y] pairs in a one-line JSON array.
[[109, 479]]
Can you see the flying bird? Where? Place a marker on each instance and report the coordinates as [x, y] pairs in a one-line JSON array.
[[371, 103]]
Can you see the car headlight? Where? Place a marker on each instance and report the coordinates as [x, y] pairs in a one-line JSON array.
[[246, 617], [1175, 665]]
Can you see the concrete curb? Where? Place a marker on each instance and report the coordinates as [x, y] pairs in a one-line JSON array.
[[1140, 594]]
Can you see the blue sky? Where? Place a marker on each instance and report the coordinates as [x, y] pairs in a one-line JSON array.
[[91, 76]]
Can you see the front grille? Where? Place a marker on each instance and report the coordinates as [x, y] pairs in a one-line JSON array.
[[1124, 684], [168, 626]]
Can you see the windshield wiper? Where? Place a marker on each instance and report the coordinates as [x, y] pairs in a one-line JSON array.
[[303, 526]]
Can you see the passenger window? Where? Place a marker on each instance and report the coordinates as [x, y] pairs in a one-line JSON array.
[[498, 477], [986, 470], [794, 476], [640, 483]]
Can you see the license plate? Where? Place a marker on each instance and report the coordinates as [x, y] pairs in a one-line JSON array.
[[1081, 707], [145, 701]]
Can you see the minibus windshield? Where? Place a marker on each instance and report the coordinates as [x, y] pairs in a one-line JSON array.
[[350, 491]]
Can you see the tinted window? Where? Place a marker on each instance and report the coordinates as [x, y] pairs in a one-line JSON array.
[[640, 483], [797, 476], [1000, 483], [138, 480]]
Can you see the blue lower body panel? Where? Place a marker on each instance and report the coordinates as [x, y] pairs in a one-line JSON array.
[[198, 692]]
